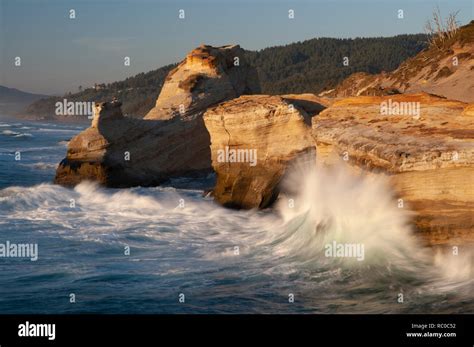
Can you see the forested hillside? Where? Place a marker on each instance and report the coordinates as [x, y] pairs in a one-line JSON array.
[[317, 64]]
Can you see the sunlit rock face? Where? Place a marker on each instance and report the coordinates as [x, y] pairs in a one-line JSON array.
[[254, 140], [171, 140], [429, 160], [424, 144], [206, 76]]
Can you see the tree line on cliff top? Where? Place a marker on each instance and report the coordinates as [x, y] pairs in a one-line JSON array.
[[303, 67]]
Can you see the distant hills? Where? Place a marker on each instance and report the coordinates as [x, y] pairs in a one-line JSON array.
[[303, 67], [13, 100], [138, 95]]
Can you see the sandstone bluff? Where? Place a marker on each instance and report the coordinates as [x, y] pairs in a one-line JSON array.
[[210, 104], [171, 140]]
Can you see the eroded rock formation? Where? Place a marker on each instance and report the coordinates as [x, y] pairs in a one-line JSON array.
[[171, 141], [122, 152], [428, 156], [253, 141], [423, 143], [207, 76]]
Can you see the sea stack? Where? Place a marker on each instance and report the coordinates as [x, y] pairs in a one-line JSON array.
[[171, 140]]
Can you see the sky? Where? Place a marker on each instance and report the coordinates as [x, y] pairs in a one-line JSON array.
[[59, 54]]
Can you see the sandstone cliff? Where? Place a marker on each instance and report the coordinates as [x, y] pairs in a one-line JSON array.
[[171, 141], [423, 143], [207, 76], [428, 155], [445, 71], [253, 141], [123, 152]]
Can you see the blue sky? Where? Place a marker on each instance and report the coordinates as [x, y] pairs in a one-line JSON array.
[[59, 54]]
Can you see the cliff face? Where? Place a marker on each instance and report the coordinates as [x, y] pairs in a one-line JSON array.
[[171, 141], [423, 143], [446, 71], [122, 152], [207, 76], [428, 154], [253, 141], [428, 157]]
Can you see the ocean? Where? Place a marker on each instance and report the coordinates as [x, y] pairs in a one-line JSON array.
[[170, 249]]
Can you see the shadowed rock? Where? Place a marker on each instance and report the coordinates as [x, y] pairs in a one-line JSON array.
[[122, 152], [172, 140]]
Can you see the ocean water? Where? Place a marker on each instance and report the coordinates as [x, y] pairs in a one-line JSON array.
[[222, 261]]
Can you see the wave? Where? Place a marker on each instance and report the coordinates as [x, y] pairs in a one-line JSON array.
[[24, 135], [320, 206], [10, 132], [42, 166], [9, 151], [56, 130], [160, 213], [328, 206], [336, 206], [15, 133], [332, 204]]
